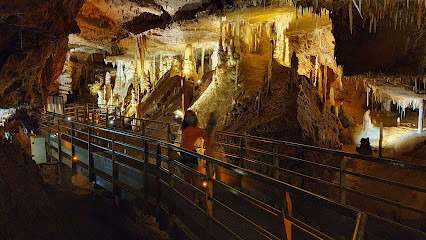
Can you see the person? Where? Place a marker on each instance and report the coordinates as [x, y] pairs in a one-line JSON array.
[[211, 141], [190, 133]]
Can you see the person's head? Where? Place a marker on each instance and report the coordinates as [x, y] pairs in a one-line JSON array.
[[212, 120], [189, 120]]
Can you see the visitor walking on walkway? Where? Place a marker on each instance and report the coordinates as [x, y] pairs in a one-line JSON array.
[[190, 133]]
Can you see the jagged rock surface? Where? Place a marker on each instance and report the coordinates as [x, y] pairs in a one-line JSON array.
[[33, 52], [288, 113]]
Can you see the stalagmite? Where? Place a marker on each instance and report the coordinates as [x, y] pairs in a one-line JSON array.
[[421, 116], [153, 71], [271, 55], [316, 71], [320, 83], [202, 60], [325, 80], [287, 51], [381, 140], [20, 38], [332, 101], [419, 21]]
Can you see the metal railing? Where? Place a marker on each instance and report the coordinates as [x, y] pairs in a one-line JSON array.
[[217, 211], [327, 169]]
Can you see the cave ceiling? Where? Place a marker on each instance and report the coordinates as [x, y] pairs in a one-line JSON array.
[[34, 33], [105, 23]]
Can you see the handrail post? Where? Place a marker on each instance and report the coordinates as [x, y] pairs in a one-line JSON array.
[[49, 149], [276, 170], [106, 117], [59, 141], [86, 112], [77, 114], [145, 168], [240, 177], [209, 196], [242, 152], [143, 127], [73, 159], [157, 179], [286, 214], [115, 188], [170, 204], [342, 180], [276, 163], [122, 121], [90, 156], [168, 133], [361, 220]]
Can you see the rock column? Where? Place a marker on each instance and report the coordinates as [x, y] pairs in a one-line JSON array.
[[421, 116]]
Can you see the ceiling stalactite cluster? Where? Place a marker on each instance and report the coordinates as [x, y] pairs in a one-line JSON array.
[[125, 49]]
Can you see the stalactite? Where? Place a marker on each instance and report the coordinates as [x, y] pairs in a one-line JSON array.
[[350, 16], [358, 8], [202, 60], [375, 24], [270, 64], [287, 51], [21, 40], [396, 21], [325, 80], [419, 21], [368, 96], [316, 71], [320, 83]]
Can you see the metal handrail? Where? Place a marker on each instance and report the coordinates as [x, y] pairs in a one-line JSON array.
[[332, 151], [341, 154], [322, 201]]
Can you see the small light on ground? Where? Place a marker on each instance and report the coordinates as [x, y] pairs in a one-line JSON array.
[[204, 184], [75, 158]]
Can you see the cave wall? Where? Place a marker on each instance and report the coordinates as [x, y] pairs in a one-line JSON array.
[[33, 51], [397, 46], [293, 111]]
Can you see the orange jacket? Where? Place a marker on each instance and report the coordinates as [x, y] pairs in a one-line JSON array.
[[190, 136]]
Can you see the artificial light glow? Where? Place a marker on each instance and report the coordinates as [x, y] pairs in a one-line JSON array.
[[111, 122], [178, 113], [204, 184], [69, 118], [75, 158], [199, 81]]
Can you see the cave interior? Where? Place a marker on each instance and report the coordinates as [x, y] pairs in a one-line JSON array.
[[322, 73]]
